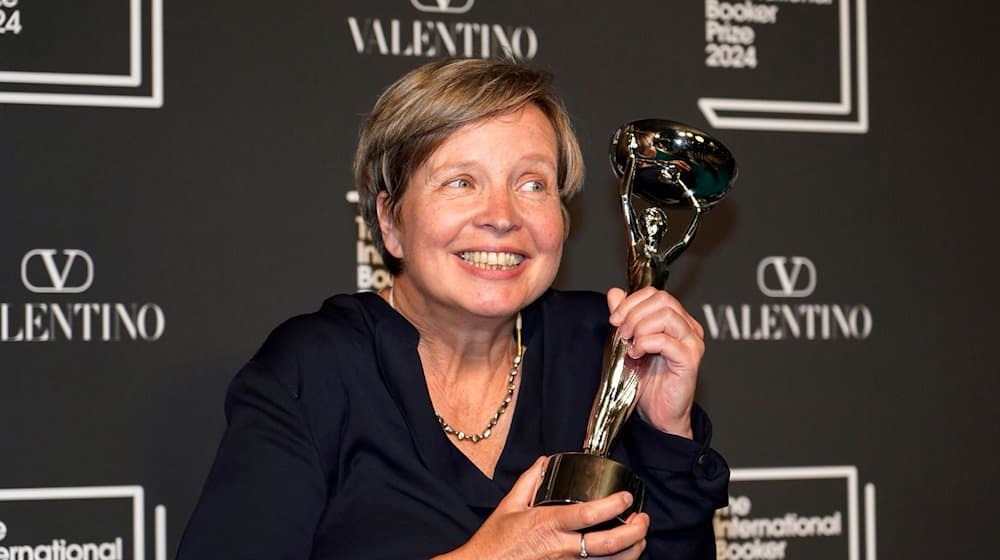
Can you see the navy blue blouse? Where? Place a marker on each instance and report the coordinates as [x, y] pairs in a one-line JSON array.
[[332, 448]]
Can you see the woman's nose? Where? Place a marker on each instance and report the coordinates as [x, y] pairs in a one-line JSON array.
[[499, 211]]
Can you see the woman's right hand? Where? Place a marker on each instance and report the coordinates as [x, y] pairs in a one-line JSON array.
[[518, 531]]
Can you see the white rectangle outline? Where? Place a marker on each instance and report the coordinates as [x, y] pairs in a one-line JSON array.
[[92, 492], [848, 472], [160, 521], [153, 101], [709, 105], [870, 521], [133, 79]]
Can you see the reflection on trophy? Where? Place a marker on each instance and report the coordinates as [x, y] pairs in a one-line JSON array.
[[662, 164]]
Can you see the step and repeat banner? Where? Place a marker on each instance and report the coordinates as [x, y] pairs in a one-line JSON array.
[[175, 181]]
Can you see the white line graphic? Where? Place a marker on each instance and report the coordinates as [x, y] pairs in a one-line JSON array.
[[847, 472], [710, 106], [160, 519], [869, 521], [134, 79], [91, 493]]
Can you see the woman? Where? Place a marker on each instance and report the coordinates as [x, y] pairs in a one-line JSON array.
[[415, 423]]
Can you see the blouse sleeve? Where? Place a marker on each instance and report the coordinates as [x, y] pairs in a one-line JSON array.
[[267, 489], [686, 481]]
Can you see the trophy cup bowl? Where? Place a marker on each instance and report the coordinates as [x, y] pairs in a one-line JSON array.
[[665, 164], [703, 163]]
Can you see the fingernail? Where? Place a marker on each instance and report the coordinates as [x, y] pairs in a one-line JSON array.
[[628, 499]]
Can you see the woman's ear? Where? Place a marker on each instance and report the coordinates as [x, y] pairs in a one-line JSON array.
[[388, 227]]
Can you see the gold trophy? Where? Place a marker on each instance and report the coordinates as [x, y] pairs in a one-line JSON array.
[[662, 164]]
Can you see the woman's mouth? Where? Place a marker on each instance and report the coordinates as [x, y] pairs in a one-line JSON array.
[[489, 260]]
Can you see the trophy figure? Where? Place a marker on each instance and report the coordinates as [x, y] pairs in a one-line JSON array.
[[662, 164]]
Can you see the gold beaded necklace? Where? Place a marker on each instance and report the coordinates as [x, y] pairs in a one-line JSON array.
[[511, 386]]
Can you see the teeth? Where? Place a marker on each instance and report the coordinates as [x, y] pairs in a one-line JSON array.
[[491, 261]]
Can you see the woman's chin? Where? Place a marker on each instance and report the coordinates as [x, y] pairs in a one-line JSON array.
[[502, 304]]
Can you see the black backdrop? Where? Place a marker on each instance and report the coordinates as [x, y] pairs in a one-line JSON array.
[[188, 164]]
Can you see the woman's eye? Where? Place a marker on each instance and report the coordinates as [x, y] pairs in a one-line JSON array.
[[459, 183], [533, 186]]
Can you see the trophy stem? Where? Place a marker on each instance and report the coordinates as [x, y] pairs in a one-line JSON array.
[[617, 396]]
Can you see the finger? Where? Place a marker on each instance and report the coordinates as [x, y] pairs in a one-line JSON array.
[[643, 305], [631, 553], [672, 308], [681, 356], [658, 304], [665, 321], [639, 518], [625, 305], [698, 328], [523, 492], [615, 297], [618, 542], [580, 516], [635, 551]]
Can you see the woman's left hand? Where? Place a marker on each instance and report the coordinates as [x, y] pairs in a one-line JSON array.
[[659, 327]]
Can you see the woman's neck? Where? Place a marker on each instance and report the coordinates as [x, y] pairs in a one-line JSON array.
[[454, 344]]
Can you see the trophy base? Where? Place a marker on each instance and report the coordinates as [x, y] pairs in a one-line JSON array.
[[573, 478]]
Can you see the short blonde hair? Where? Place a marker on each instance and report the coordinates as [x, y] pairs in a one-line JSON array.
[[416, 114]]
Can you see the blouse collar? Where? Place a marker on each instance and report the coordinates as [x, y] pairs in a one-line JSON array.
[[399, 365]]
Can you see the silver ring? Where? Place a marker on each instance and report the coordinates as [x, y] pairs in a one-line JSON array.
[[583, 547]]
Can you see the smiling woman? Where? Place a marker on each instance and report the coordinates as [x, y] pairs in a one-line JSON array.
[[416, 422], [488, 192]]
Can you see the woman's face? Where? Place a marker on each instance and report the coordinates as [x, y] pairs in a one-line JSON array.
[[480, 225]]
